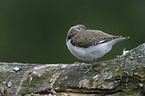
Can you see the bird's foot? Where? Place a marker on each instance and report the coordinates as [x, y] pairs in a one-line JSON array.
[[88, 69]]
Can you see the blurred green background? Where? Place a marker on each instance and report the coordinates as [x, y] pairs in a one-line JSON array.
[[34, 31]]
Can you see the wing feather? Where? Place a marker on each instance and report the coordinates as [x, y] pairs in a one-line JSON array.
[[95, 37]]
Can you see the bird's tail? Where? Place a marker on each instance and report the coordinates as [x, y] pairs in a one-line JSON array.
[[120, 37], [126, 37]]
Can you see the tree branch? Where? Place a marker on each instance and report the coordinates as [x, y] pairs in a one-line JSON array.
[[122, 75]]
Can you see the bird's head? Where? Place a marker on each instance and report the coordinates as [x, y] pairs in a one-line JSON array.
[[76, 29]]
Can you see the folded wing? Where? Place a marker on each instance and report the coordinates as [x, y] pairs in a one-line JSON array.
[[88, 38]]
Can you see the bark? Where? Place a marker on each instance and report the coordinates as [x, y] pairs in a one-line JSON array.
[[124, 75]]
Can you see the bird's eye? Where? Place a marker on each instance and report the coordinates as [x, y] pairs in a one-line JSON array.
[[80, 28]]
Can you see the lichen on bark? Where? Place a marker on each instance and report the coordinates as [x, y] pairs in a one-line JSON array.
[[123, 75]]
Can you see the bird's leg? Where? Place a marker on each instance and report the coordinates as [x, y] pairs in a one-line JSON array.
[[94, 61], [88, 69]]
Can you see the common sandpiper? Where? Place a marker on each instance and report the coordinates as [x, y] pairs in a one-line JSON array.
[[89, 45]]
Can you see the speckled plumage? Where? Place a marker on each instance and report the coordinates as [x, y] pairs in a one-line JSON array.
[[88, 44], [86, 38]]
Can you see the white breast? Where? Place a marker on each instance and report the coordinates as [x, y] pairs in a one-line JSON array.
[[92, 52]]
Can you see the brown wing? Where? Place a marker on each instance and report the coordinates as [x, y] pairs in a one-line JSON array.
[[88, 38]]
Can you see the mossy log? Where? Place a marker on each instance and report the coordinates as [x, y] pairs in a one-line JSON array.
[[124, 75]]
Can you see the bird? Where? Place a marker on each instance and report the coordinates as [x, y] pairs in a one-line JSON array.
[[89, 45]]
